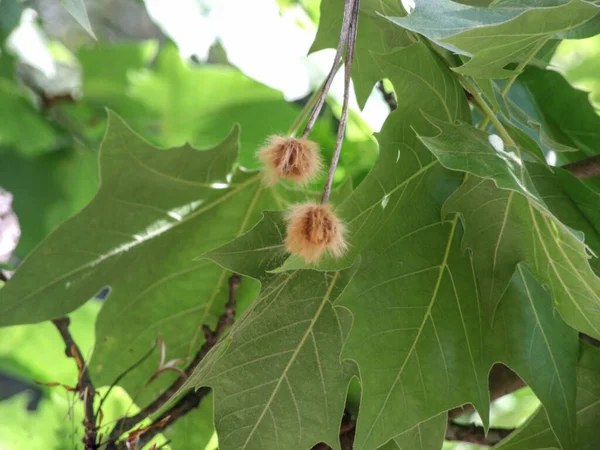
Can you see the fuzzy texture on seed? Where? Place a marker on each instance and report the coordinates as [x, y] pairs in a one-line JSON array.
[[291, 158], [312, 230]]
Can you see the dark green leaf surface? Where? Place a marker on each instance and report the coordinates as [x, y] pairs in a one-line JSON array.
[[508, 32], [278, 377]]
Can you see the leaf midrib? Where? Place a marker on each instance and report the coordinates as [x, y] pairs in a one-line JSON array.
[[293, 358], [94, 262]]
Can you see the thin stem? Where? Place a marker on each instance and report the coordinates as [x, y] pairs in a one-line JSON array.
[[344, 117], [334, 67], [488, 112], [512, 79], [84, 387], [306, 109]]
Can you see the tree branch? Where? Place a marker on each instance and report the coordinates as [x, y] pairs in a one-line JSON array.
[[85, 387], [189, 401], [475, 434], [586, 168]]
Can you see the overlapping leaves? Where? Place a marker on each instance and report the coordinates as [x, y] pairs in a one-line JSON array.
[[507, 222], [537, 433], [154, 213], [510, 31], [413, 296], [278, 377]]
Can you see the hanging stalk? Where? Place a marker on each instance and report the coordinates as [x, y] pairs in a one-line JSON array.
[[346, 20], [350, 47]]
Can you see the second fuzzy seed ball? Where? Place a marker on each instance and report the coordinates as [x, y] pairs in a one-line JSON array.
[[312, 230]]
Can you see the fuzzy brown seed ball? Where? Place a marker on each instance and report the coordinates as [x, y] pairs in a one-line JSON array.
[[312, 230], [291, 158]]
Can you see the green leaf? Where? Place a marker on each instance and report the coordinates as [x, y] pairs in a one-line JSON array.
[[48, 189], [428, 435], [573, 203], [527, 335], [277, 376], [507, 222], [77, 9], [155, 212], [415, 303], [566, 114], [151, 196], [23, 126], [413, 295], [537, 433], [376, 36], [509, 32], [182, 105], [151, 215]]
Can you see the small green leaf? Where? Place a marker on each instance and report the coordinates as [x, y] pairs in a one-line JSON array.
[[77, 9]]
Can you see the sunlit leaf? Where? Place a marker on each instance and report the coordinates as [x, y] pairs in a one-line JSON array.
[[493, 37]]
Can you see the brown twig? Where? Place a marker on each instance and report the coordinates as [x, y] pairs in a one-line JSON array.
[[350, 47], [475, 434], [84, 386], [190, 400], [586, 168]]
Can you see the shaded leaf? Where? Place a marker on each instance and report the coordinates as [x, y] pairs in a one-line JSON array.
[[428, 435], [277, 376], [48, 189], [537, 433], [565, 112]]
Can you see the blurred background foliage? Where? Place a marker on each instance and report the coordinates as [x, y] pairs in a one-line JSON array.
[[177, 73]]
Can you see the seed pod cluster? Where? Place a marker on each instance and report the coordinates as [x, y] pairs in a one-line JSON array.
[[313, 229]]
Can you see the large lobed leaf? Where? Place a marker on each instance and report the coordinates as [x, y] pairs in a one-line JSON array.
[[155, 211], [411, 290], [278, 377], [507, 222], [508, 32]]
